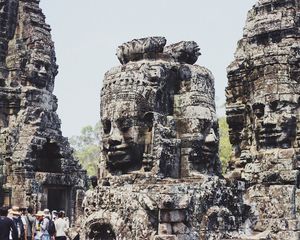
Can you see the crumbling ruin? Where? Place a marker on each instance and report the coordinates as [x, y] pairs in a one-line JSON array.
[[263, 103], [160, 171], [36, 163], [159, 175]]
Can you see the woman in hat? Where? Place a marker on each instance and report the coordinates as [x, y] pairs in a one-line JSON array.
[[39, 220]]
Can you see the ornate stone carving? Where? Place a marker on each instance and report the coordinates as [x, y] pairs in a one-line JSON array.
[[263, 115], [36, 161], [158, 178], [144, 99]]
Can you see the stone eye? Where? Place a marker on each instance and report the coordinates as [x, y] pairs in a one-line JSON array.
[[274, 105], [37, 65], [125, 124], [258, 109], [106, 126]]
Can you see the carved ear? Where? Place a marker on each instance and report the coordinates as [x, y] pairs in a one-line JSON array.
[[148, 119]]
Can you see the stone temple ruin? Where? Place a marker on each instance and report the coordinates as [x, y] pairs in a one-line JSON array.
[[36, 163], [263, 112], [160, 177], [159, 173]]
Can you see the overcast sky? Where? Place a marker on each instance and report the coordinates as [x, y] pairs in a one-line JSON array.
[[87, 33]]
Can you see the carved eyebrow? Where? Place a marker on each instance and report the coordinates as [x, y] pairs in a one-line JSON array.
[[258, 105], [125, 119], [105, 119]]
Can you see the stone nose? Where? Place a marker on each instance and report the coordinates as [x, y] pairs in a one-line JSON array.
[[43, 70], [269, 120], [211, 137], [115, 137]]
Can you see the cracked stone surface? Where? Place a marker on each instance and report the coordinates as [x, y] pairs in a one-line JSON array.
[[34, 156], [263, 115], [160, 174]]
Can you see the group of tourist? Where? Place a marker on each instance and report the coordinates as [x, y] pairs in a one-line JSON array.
[[21, 224]]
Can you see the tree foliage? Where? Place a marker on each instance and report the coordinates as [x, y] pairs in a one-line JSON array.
[[87, 148], [225, 146]]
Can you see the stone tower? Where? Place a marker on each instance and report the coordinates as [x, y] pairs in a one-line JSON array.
[[36, 163], [159, 177], [263, 113]]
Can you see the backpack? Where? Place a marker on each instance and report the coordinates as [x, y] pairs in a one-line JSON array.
[[51, 228]]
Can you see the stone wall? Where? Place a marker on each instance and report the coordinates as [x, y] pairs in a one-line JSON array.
[[263, 116], [35, 159], [160, 174]]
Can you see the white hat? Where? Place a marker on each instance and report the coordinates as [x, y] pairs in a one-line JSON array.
[[15, 211], [39, 214], [47, 212]]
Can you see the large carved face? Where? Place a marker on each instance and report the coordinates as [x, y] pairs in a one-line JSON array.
[[123, 135], [274, 123], [40, 70], [205, 149], [200, 128]]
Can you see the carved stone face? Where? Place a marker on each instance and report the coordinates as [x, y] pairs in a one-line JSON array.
[[275, 123], [40, 70], [204, 153], [200, 131], [123, 135]]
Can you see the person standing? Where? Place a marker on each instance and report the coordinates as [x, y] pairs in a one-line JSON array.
[[7, 226], [39, 220], [66, 219], [45, 225], [61, 227], [23, 219], [30, 222], [54, 215], [18, 222]]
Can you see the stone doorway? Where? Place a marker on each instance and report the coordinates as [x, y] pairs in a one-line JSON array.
[[58, 198], [99, 231]]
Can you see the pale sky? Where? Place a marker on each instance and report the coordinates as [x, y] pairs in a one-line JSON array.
[[87, 32]]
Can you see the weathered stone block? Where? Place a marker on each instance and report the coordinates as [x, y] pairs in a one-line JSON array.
[[173, 216], [165, 237], [180, 228], [286, 153], [291, 235], [164, 229]]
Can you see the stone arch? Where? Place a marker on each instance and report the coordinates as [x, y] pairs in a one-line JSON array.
[[101, 231], [98, 226]]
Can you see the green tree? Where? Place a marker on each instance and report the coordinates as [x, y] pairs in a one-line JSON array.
[[87, 148], [225, 146]]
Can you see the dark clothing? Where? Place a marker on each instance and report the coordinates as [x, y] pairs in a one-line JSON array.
[[30, 222], [60, 238], [77, 237], [20, 227], [7, 225]]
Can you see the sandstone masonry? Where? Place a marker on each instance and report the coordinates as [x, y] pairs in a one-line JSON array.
[[36, 163]]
